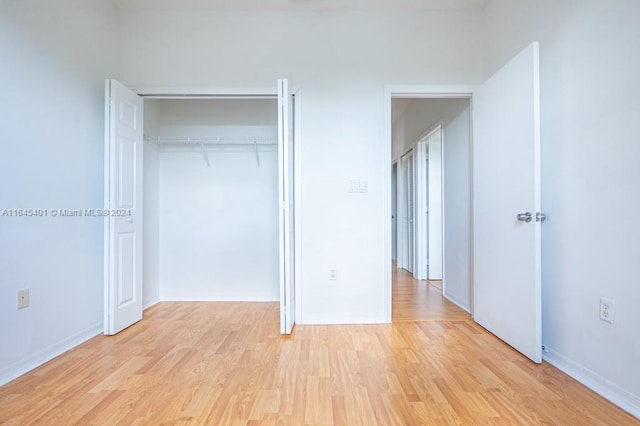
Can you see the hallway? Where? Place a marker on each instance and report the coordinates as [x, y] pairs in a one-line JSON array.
[[421, 300]]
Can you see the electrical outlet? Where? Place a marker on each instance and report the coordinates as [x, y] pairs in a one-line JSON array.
[[333, 274], [23, 298], [606, 310]]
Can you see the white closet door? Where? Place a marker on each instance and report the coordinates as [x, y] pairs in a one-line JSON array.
[[506, 178], [286, 190], [123, 199]]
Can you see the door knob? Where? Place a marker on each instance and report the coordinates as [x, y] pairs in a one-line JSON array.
[[540, 217], [524, 217]]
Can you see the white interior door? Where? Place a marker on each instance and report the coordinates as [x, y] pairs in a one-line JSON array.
[[123, 200], [410, 215], [401, 191], [421, 219], [427, 219], [435, 206], [287, 224], [506, 178]]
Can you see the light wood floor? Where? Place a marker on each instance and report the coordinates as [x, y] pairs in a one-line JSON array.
[[415, 300], [226, 364]]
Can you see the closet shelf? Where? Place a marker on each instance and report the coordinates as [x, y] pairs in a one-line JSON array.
[[205, 143]]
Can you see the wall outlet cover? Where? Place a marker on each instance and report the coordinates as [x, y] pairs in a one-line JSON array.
[[607, 310], [23, 298]]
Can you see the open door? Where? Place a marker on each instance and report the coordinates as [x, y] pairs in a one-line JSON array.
[[507, 218], [123, 208], [286, 191]]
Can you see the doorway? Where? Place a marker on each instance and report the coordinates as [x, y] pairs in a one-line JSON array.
[[506, 240], [211, 200], [431, 147]]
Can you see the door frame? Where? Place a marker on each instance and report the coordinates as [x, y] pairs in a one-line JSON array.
[[423, 92], [428, 230], [394, 220], [210, 92], [407, 230]]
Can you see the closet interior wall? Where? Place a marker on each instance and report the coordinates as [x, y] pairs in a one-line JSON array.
[[211, 208]]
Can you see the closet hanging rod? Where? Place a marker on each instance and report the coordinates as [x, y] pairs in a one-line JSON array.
[[211, 140]]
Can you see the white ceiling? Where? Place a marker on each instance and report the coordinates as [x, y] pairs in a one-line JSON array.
[[286, 5]]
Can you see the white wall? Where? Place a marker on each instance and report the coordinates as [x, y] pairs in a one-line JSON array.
[[151, 210], [457, 207], [342, 60], [55, 56], [590, 155], [218, 225]]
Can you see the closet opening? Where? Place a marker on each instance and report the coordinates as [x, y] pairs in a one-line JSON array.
[[210, 200], [210, 181]]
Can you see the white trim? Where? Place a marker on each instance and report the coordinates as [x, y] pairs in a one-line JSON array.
[[106, 196], [421, 220], [465, 307], [297, 206], [21, 367], [430, 132], [387, 276], [346, 319], [150, 304], [178, 92], [283, 207], [443, 247], [406, 176], [403, 91], [603, 387], [428, 91], [394, 163]]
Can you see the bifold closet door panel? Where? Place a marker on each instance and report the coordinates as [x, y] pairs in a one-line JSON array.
[[219, 226]]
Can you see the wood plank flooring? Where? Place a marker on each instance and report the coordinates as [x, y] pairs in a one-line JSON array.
[[415, 300], [226, 364]]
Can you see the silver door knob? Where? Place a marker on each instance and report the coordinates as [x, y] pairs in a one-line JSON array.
[[524, 217], [540, 217]]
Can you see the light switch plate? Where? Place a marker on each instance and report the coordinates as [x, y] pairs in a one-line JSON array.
[[358, 186]]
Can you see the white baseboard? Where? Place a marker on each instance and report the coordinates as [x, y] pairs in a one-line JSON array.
[[605, 388], [150, 304], [219, 299], [464, 306], [340, 320], [17, 369]]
